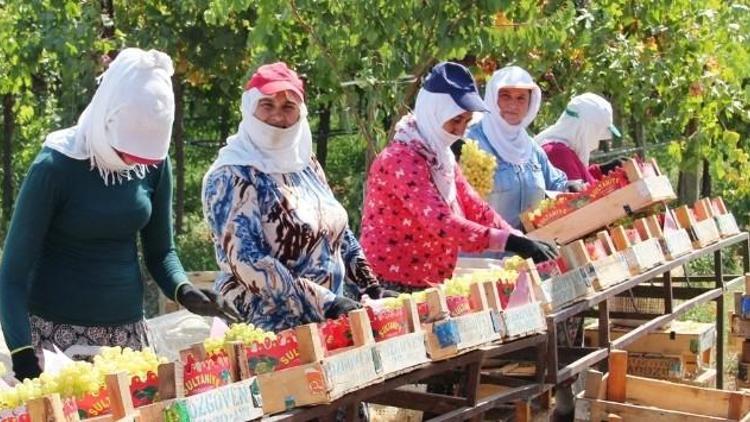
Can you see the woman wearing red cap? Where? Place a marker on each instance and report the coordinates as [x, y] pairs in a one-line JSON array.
[[420, 212], [282, 240], [70, 274]]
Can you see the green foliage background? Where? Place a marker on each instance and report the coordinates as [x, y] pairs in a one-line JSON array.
[[676, 72]]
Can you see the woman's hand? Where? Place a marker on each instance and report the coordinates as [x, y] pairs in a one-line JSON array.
[[207, 303], [25, 364], [341, 306], [575, 186], [612, 164], [538, 250], [376, 291]]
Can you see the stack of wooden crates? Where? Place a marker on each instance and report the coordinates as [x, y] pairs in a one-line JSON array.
[[681, 352], [740, 328]]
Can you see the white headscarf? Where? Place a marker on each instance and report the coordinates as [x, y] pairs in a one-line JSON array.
[[268, 148], [511, 142], [432, 110], [132, 111], [586, 121]]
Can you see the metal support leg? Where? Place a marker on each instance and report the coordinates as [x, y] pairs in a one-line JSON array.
[[719, 274], [604, 330], [746, 257], [668, 295], [552, 358]]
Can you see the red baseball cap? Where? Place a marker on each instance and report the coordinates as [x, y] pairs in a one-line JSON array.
[[272, 78]]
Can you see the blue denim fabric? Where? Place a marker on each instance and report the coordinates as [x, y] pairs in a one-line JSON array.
[[519, 187]]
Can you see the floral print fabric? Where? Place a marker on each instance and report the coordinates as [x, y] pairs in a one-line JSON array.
[[282, 243], [409, 233], [48, 335]]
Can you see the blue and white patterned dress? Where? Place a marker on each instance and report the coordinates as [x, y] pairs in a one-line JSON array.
[[282, 243]]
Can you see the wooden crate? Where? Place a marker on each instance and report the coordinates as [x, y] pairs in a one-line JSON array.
[[642, 192], [641, 255], [680, 337], [725, 220], [321, 379], [602, 273], [673, 243], [404, 352], [564, 289], [451, 336], [618, 396], [699, 224]]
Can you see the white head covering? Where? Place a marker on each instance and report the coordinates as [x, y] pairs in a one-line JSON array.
[[586, 120], [132, 111], [511, 142], [432, 110], [268, 148]]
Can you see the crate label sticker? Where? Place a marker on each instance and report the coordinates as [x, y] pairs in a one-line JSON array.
[[227, 403], [655, 366], [497, 322], [475, 329], [706, 230], [561, 289], [446, 333], [349, 369], [677, 243], [315, 382], [727, 224], [400, 352], [524, 319]]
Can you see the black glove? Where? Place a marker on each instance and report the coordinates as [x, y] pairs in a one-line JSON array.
[[575, 186], [25, 364], [207, 303], [537, 250], [376, 291], [612, 164], [341, 306]]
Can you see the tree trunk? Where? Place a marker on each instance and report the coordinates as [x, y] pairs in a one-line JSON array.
[[8, 130], [324, 131], [706, 181], [689, 178], [178, 134], [639, 135]]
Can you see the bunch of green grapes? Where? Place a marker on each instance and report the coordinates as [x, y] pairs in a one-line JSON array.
[[458, 286], [213, 344], [136, 363], [393, 302], [247, 334], [21, 393], [514, 263], [75, 380], [478, 167]]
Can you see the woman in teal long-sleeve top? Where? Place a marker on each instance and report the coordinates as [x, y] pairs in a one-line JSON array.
[[523, 171], [70, 273]]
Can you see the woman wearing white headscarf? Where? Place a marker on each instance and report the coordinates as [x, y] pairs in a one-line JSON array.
[[282, 239], [586, 121], [523, 171], [70, 274], [419, 211]]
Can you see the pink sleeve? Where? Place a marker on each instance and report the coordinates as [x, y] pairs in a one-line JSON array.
[[565, 159], [407, 174], [475, 208]]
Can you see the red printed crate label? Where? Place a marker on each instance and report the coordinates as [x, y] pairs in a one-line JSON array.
[[336, 333], [458, 305], [424, 311], [144, 391], [19, 414], [92, 405], [205, 375], [273, 355], [386, 323], [613, 181]]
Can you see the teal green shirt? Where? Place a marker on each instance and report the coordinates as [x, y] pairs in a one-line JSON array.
[[71, 254]]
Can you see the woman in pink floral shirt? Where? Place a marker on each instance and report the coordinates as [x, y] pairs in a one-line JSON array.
[[419, 210]]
